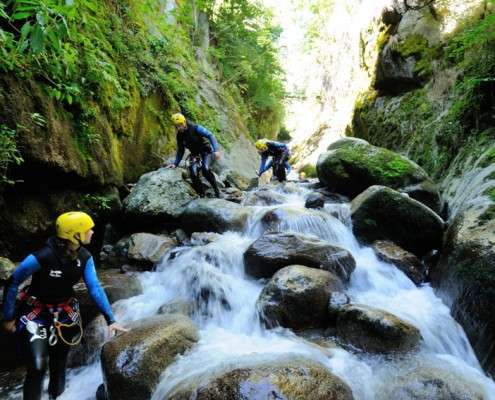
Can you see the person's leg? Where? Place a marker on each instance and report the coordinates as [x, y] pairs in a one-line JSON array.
[[208, 174], [279, 169], [34, 344], [196, 181], [57, 366]]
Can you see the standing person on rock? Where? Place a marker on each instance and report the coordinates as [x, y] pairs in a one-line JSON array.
[[202, 145], [47, 321], [280, 158]]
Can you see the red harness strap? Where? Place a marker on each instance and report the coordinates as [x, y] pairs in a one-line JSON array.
[[38, 306]]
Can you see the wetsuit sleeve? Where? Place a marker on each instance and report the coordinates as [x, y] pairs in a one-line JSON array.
[[263, 167], [278, 144], [26, 268], [180, 154], [207, 134], [96, 291]]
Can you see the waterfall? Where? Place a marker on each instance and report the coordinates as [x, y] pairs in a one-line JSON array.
[[232, 336]]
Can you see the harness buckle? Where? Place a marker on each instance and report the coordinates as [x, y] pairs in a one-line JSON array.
[[30, 300]]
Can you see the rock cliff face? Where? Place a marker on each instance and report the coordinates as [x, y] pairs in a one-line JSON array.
[[70, 164], [429, 102]]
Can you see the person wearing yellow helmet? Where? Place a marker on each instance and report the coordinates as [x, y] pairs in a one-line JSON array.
[[47, 321], [279, 153], [302, 176], [203, 146]]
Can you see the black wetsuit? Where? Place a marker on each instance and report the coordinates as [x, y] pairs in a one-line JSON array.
[[201, 143], [53, 276]]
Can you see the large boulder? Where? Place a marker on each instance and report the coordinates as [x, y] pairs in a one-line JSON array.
[[275, 250], [133, 362], [214, 215], [297, 297], [281, 379], [376, 331], [381, 213], [350, 167], [159, 196]]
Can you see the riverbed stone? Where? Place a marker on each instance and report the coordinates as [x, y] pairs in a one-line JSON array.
[[283, 380], [133, 362], [275, 250], [297, 297], [376, 331], [382, 213]]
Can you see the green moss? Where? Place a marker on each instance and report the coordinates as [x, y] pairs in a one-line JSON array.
[[475, 266], [488, 160], [309, 170], [371, 223], [413, 45]]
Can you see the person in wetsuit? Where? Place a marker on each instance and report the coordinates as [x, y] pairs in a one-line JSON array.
[[279, 161], [203, 146], [47, 321]]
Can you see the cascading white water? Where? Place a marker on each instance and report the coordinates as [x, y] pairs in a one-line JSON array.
[[232, 336]]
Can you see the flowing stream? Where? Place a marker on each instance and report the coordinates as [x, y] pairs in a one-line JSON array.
[[234, 337]]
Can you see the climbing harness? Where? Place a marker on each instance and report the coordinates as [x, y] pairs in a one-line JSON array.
[[69, 306], [194, 160]]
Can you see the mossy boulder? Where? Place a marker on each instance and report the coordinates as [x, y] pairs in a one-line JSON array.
[[351, 167], [381, 213]]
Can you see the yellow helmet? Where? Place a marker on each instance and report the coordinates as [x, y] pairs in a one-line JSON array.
[[303, 174], [261, 145], [178, 119], [73, 222]]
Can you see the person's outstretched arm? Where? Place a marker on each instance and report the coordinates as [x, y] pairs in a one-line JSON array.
[[99, 296]]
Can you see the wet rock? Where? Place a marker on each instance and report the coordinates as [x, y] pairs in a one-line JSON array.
[[177, 306], [159, 196], [376, 331], [315, 200], [350, 167], [276, 250], [133, 362], [284, 380], [214, 215], [263, 197], [432, 384], [297, 297], [117, 286], [147, 248], [335, 303], [407, 262], [381, 213], [115, 256], [6, 268]]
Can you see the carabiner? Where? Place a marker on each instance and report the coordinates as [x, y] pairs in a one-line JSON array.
[[53, 339]]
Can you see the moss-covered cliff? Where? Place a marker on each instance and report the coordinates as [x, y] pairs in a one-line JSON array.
[[434, 101], [88, 88]]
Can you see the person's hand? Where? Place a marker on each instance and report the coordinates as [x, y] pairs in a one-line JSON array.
[[257, 175], [217, 155], [171, 166], [9, 326], [115, 327]]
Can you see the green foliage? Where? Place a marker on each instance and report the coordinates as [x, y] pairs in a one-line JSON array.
[[9, 152], [96, 204], [99, 59], [309, 170], [284, 135], [246, 53]]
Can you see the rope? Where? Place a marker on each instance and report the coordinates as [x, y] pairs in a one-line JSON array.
[[58, 325]]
